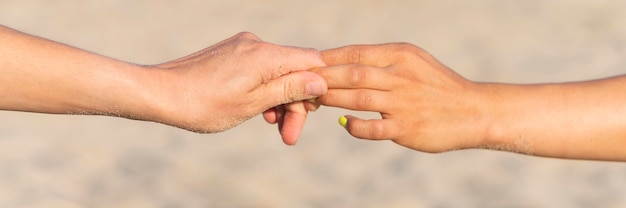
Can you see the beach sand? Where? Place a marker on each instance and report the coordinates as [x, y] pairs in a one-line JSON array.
[[95, 161]]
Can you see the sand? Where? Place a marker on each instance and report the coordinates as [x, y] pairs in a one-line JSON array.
[[94, 161]]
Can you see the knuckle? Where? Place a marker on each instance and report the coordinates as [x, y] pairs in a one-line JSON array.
[[408, 51], [247, 36], [354, 55], [357, 76], [249, 46], [311, 51], [292, 92], [404, 46], [288, 92], [379, 131], [314, 53], [247, 41], [364, 100]]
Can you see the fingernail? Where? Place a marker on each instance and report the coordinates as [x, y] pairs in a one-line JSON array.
[[343, 121], [312, 100], [315, 89], [310, 105]]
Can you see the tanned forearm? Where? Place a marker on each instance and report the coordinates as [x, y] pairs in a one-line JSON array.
[[426, 106], [583, 120]]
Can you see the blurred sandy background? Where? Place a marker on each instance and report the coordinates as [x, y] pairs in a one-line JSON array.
[[84, 161]]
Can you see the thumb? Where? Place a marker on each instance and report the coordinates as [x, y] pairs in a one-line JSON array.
[[295, 86]]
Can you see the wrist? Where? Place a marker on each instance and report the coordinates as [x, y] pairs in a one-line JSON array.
[[135, 94], [483, 129], [511, 116], [493, 115], [163, 96]]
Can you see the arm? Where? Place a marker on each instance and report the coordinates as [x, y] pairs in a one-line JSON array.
[[209, 91], [427, 107], [583, 120]]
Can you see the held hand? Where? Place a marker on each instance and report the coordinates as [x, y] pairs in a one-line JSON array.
[[423, 104], [290, 118], [221, 86]]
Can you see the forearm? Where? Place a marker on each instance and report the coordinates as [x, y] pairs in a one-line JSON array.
[[39, 75], [585, 120]]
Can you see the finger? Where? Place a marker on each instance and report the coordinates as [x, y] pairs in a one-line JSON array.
[[358, 76], [276, 60], [291, 59], [292, 122], [282, 59], [280, 115], [358, 99], [378, 129], [311, 105], [381, 55], [292, 87], [270, 116]]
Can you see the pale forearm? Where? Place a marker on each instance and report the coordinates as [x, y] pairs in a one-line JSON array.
[[585, 120], [40, 75]]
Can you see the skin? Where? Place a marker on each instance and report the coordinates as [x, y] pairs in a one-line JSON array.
[[426, 106], [209, 91], [290, 119]]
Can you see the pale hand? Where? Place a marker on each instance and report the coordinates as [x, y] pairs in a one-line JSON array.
[[221, 86]]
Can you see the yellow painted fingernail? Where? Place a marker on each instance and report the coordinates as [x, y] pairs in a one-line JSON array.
[[313, 100], [343, 121]]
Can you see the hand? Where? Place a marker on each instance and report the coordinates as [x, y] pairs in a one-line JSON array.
[[221, 86], [209, 91], [423, 104], [290, 118]]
